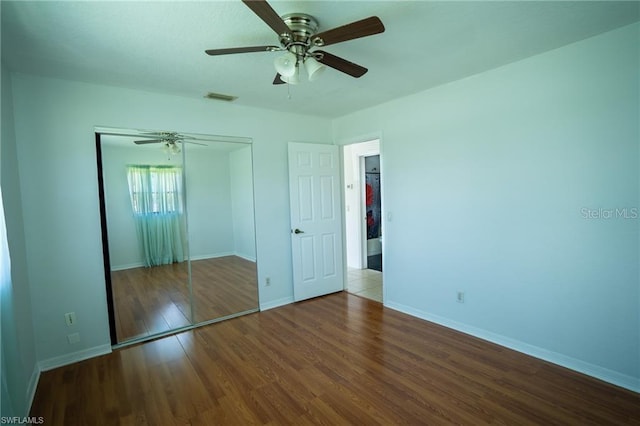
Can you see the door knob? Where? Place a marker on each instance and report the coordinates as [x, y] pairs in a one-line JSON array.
[[297, 231]]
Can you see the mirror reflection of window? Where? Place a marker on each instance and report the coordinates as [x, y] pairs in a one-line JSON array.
[[156, 201], [155, 189]]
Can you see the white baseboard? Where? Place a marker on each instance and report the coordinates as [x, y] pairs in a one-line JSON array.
[[198, 257], [276, 303], [610, 376], [212, 256], [60, 361], [127, 266], [245, 257]]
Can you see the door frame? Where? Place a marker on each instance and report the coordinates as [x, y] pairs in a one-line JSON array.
[[348, 142]]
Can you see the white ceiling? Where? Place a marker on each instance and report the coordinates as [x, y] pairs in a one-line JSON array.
[[159, 46]]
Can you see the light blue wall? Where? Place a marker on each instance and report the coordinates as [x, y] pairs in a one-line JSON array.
[[55, 122], [217, 182], [240, 162], [124, 250], [485, 180], [209, 203], [19, 369]]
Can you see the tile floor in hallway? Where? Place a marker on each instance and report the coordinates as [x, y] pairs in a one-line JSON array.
[[366, 283]]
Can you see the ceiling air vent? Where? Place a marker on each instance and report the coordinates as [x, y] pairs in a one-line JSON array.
[[220, 97]]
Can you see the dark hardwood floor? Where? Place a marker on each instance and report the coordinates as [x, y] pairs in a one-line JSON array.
[[154, 300], [335, 360], [223, 286]]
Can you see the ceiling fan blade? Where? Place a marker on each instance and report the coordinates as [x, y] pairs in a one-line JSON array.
[[167, 141], [363, 28], [162, 133], [148, 141], [215, 52], [340, 64], [278, 80], [268, 15]]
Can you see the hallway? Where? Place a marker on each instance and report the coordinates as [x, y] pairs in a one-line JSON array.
[[365, 283]]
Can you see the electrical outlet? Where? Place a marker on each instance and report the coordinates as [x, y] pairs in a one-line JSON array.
[[267, 281], [460, 297], [73, 338], [70, 318]]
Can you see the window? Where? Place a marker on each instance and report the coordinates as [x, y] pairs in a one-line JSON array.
[[155, 189]]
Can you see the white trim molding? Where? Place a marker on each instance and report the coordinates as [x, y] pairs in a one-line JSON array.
[[276, 303], [601, 373], [60, 361]]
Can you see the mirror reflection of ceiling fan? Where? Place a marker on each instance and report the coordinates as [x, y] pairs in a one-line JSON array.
[[168, 140], [299, 38]]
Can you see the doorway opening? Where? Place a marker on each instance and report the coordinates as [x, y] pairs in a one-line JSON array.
[[363, 219]]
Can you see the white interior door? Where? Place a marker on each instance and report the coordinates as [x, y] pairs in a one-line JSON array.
[[316, 228]]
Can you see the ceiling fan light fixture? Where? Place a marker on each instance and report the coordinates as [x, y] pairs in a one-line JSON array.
[[298, 34], [171, 148], [293, 79], [314, 68], [286, 64]]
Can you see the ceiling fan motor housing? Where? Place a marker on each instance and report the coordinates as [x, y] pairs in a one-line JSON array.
[[303, 27]]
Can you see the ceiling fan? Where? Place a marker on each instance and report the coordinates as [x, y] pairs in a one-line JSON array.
[[298, 35], [158, 137], [167, 139]]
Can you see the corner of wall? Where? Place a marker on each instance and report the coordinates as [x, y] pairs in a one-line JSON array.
[[276, 303], [71, 358], [18, 341]]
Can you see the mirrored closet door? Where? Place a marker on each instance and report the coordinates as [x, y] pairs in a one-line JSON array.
[[178, 230]]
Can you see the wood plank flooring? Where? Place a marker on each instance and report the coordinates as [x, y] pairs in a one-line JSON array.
[[335, 360], [154, 300]]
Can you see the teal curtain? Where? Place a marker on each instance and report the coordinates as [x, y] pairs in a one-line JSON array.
[[156, 199]]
